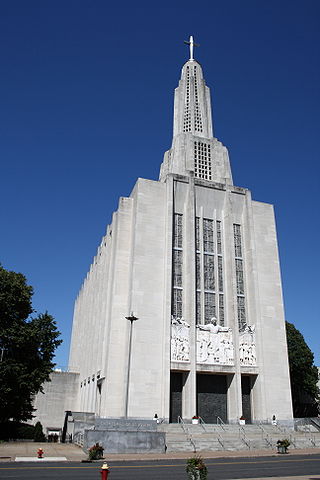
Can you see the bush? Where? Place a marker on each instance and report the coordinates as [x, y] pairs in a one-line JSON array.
[[38, 436], [196, 468], [15, 430], [96, 452]]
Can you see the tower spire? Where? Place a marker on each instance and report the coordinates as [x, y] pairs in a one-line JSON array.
[[191, 44]]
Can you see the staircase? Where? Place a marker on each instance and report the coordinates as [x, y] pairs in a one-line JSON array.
[[185, 437]]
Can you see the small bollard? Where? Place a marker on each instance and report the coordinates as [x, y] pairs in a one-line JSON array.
[[40, 453], [104, 471]]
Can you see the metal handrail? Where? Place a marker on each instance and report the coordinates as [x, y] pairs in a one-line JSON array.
[[202, 423], [243, 437], [220, 422], [220, 440], [187, 432]]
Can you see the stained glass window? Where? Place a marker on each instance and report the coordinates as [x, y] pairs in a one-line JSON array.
[[220, 274], [208, 244], [208, 267], [219, 238], [237, 240], [221, 310], [209, 306]]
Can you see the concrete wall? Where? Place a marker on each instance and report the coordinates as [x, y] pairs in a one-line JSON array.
[[59, 395]]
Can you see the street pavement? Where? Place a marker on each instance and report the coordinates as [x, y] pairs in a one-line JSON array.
[[231, 465]]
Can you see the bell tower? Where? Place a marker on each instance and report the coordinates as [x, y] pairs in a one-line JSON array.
[[195, 151]]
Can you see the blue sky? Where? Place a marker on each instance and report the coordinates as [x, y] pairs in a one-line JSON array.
[[86, 100]]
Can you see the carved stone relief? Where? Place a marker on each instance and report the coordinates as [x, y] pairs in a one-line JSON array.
[[180, 351], [214, 345], [247, 346]]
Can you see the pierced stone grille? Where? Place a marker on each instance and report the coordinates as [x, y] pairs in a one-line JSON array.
[[202, 160], [187, 112], [177, 264], [241, 308], [197, 111]]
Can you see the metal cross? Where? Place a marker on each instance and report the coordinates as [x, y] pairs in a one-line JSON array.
[[192, 44]]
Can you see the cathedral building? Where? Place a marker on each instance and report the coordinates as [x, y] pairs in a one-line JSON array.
[[181, 312]]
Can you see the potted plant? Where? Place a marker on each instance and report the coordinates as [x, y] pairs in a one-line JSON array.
[[96, 452], [282, 445], [242, 420], [196, 468], [195, 419]]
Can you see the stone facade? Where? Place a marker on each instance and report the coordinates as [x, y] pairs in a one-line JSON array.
[[195, 260]]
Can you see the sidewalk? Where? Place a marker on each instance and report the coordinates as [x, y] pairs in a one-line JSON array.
[[10, 450]]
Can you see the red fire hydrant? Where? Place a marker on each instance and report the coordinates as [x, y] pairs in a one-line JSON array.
[[104, 471], [40, 453]]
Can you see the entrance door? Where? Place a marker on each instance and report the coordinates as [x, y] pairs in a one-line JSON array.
[[176, 382], [212, 397], [246, 397]]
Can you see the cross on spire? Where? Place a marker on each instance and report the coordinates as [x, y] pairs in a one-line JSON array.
[[192, 44]]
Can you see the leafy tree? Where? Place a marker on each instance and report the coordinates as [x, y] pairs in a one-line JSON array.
[[39, 436], [27, 347], [303, 374]]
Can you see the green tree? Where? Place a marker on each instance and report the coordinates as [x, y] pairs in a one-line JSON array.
[[303, 374], [39, 436], [27, 347]]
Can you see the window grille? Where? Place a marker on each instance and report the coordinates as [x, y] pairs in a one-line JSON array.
[[209, 306], [237, 240], [197, 233], [241, 312], [202, 160], [208, 267], [208, 244], [220, 274], [198, 272], [221, 310], [219, 238], [177, 268], [177, 303], [239, 277], [177, 234], [198, 307], [177, 264]]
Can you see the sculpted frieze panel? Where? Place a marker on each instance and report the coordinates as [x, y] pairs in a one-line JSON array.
[[180, 351], [214, 345], [247, 345]]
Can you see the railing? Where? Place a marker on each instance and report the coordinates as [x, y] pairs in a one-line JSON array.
[[187, 432], [78, 439], [242, 435], [220, 422], [220, 440], [202, 423], [265, 435]]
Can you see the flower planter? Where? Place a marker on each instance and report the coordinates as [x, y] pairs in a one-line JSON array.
[[195, 421], [282, 449]]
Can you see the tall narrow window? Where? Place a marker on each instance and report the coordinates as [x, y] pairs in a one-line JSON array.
[[208, 245], [241, 309], [177, 263]]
